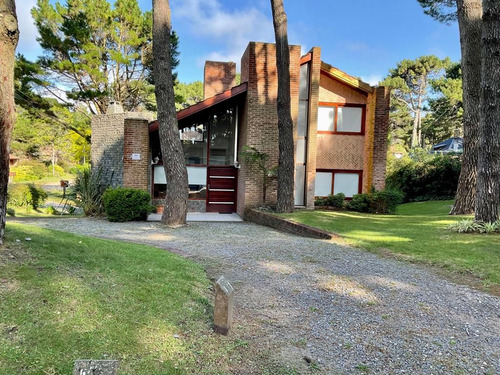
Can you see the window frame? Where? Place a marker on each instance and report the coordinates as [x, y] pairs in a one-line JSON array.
[[336, 107], [345, 171]]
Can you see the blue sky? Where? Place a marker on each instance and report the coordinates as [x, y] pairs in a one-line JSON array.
[[365, 38]]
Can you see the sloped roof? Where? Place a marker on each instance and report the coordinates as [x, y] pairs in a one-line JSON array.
[[207, 103], [343, 77]]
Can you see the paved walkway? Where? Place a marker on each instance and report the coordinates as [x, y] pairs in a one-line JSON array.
[[348, 311]]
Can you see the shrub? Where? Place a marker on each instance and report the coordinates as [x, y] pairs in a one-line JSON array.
[[57, 171], [471, 226], [26, 195], [51, 210], [11, 212], [124, 204], [424, 176], [336, 200], [29, 170], [385, 201], [359, 203], [376, 202], [88, 190]]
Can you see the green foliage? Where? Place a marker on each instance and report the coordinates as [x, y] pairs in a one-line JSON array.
[[252, 156], [51, 210], [441, 10], [359, 203], [472, 226], [410, 82], [423, 176], [124, 204], [187, 94], [336, 200], [29, 170], [98, 51], [88, 190], [26, 195], [11, 212], [376, 202]]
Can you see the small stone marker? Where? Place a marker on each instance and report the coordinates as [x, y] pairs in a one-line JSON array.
[[95, 367], [223, 311]]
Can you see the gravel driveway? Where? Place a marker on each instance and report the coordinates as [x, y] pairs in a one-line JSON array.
[[345, 310]]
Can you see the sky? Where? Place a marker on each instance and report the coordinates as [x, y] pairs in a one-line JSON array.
[[364, 38]]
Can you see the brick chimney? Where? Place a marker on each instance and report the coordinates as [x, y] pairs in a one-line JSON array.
[[218, 77]]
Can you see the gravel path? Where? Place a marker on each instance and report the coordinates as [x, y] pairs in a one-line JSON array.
[[348, 311]]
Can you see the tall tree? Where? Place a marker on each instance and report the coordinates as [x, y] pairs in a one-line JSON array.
[[410, 81], [468, 13], [286, 163], [488, 172], [9, 36], [94, 52], [175, 210]]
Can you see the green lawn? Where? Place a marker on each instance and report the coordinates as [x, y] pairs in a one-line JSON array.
[[417, 232], [65, 297]]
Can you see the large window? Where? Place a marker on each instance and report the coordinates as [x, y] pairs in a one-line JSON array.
[[336, 181], [341, 118]]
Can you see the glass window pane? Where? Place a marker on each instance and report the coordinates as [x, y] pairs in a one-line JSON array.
[[302, 121], [300, 157], [347, 183], [323, 184], [326, 116], [222, 134], [349, 119], [194, 143], [159, 175], [197, 179], [304, 82], [299, 184]]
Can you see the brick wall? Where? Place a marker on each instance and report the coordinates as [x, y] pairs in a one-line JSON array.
[[334, 91], [380, 142], [107, 145], [337, 151], [218, 77], [259, 125], [369, 136], [136, 141]]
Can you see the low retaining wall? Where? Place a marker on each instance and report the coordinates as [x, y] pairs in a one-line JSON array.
[[284, 225]]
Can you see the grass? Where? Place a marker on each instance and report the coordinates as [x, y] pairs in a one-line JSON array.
[[418, 233], [65, 297]]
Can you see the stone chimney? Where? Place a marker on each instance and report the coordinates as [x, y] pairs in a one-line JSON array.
[[218, 77], [114, 107]]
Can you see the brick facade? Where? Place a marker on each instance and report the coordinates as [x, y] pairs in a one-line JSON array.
[[259, 123], [136, 158], [380, 142], [107, 154], [218, 77]]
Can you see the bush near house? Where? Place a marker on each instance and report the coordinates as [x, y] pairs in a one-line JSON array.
[[124, 204], [423, 176], [26, 195], [376, 202], [336, 201], [88, 190]]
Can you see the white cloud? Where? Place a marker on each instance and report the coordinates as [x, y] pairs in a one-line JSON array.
[[28, 33], [373, 79], [231, 29]]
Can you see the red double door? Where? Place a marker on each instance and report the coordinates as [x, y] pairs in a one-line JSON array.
[[222, 189]]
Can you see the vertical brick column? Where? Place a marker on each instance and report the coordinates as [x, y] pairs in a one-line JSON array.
[[218, 77], [136, 154], [369, 142], [380, 142], [312, 135], [258, 68]]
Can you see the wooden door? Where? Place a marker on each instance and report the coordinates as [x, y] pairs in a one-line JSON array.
[[221, 189]]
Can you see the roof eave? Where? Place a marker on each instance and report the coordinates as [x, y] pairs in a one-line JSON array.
[[346, 78]]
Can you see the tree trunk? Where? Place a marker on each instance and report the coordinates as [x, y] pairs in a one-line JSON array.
[[488, 171], [9, 36], [469, 23], [286, 164], [414, 136], [175, 209]]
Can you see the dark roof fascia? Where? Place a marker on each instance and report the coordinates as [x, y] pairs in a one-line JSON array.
[[205, 104]]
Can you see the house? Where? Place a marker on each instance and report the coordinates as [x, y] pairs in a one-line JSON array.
[[451, 145], [340, 127]]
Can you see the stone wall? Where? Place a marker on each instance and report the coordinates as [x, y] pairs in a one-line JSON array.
[[107, 153]]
